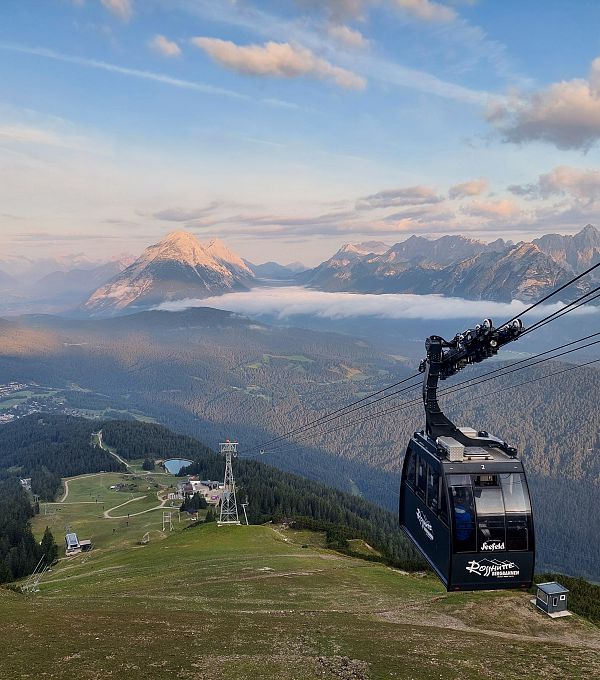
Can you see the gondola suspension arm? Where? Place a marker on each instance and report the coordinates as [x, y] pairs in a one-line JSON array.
[[445, 358]]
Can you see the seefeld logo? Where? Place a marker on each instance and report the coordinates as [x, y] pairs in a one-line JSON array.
[[425, 524], [493, 568], [493, 545]]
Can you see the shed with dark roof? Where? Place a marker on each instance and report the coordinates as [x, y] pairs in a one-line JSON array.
[[551, 598]]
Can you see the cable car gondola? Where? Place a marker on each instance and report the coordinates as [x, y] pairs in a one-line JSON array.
[[464, 500]]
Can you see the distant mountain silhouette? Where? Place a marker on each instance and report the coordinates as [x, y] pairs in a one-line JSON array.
[[461, 266]]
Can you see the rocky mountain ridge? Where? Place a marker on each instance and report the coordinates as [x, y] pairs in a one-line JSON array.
[[460, 266], [577, 252], [181, 267]]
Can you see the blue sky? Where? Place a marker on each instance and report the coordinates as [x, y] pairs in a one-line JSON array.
[[290, 127]]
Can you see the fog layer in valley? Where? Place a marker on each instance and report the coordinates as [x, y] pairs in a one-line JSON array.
[[288, 301]]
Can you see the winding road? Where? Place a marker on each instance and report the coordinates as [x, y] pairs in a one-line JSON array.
[[107, 513]]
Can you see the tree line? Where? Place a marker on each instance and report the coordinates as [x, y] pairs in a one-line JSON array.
[[48, 447], [19, 551]]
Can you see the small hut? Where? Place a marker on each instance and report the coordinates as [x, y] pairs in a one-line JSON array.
[[551, 598]]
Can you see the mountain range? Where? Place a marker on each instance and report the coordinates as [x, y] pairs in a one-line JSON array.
[[275, 271], [460, 266], [182, 267], [52, 285]]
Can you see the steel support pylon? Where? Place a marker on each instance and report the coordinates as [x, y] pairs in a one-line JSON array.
[[229, 511]]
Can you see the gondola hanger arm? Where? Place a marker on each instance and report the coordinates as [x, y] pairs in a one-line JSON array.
[[447, 357]]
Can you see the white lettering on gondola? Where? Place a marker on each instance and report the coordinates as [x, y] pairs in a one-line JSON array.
[[425, 524], [493, 545], [493, 568]]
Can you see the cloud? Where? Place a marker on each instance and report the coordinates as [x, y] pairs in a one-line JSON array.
[[503, 208], [422, 214], [185, 214], [565, 114], [281, 104], [279, 60], [582, 184], [421, 10], [120, 8], [426, 10], [47, 237], [396, 74], [416, 195], [348, 36], [463, 38], [339, 10], [285, 302], [164, 46], [123, 70], [474, 187], [25, 134]]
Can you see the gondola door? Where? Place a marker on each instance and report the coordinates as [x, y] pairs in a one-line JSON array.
[[423, 508]]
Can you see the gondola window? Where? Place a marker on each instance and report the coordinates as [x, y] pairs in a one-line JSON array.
[[411, 469], [491, 531], [433, 490], [463, 516], [518, 511], [421, 478]]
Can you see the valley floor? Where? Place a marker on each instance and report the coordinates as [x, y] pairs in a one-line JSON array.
[[209, 602]]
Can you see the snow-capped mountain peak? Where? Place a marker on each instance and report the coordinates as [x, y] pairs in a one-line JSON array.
[[220, 252], [178, 267]]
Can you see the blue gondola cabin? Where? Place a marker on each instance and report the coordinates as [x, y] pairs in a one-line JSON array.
[[464, 500]]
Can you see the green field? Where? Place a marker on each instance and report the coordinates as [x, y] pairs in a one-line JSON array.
[[289, 357], [90, 496], [264, 602], [53, 399], [17, 398]]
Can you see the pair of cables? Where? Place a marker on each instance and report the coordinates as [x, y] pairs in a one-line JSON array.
[[385, 394], [466, 384]]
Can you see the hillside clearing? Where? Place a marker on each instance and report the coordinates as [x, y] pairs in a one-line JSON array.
[[261, 602]]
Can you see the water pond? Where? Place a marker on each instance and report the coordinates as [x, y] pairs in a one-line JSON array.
[[173, 465]]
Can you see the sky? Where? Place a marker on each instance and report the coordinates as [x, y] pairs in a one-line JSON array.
[[289, 127]]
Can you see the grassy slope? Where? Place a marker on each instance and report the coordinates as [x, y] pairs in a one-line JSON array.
[[251, 602]]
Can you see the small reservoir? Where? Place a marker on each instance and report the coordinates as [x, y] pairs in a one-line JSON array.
[[173, 465]]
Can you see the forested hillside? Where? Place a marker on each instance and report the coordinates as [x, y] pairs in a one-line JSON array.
[[273, 494], [214, 375], [19, 551], [47, 448]]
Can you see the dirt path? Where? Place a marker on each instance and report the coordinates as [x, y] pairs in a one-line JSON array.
[[114, 454], [130, 470], [108, 515], [450, 623], [70, 502], [66, 483]]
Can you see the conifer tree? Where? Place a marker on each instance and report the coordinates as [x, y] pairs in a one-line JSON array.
[[48, 548]]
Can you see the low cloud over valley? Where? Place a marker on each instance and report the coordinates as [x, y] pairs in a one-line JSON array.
[[290, 301]]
